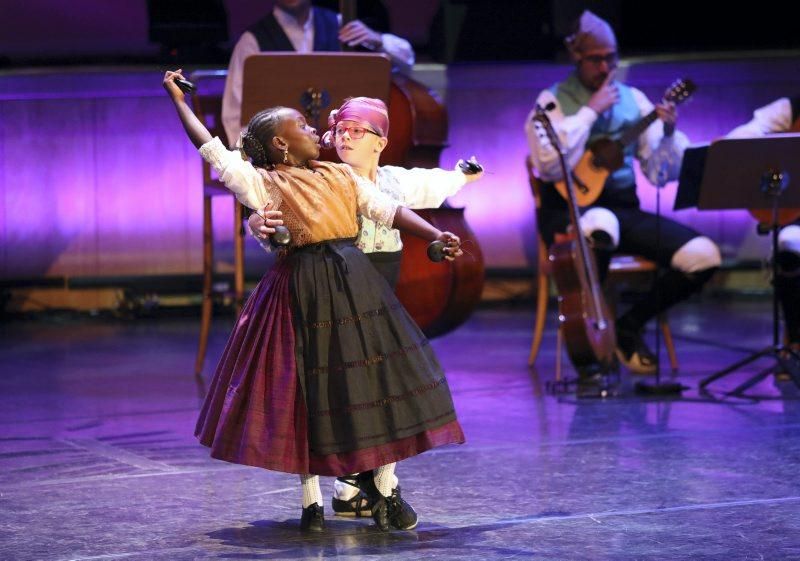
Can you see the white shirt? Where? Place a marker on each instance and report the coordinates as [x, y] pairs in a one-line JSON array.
[[412, 188], [772, 118], [659, 156], [302, 38]]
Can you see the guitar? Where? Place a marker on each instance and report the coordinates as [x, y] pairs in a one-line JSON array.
[[605, 155], [585, 320]]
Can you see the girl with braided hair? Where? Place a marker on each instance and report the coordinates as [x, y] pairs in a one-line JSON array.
[[359, 131], [325, 373]]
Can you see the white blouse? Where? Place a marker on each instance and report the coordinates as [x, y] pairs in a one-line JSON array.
[[412, 188]]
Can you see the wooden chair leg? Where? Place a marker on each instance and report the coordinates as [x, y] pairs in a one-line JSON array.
[[238, 257], [541, 315], [559, 351], [208, 279], [668, 341]]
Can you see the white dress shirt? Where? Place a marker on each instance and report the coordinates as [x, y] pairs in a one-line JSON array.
[[302, 38], [773, 118]]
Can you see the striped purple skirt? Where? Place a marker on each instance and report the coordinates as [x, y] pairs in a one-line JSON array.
[[326, 373]]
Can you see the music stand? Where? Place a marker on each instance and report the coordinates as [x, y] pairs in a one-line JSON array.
[[691, 176], [312, 83], [755, 173]]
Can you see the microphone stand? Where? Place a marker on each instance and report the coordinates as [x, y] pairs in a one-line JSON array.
[[659, 387]]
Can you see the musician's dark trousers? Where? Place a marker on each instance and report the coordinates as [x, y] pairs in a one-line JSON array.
[[640, 233], [787, 286]]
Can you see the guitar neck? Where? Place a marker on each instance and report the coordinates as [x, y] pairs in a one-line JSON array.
[[636, 130]]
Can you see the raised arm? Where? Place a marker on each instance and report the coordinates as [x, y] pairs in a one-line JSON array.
[[195, 129], [238, 175]]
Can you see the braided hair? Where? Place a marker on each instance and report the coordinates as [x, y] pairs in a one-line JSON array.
[[257, 137]]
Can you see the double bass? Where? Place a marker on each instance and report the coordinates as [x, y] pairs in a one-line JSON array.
[[587, 325], [439, 296]]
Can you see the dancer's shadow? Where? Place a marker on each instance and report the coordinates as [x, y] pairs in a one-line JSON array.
[[355, 538]]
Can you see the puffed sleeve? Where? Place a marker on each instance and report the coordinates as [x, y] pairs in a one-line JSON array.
[[239, 176]]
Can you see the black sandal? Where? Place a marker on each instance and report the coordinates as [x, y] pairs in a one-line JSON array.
[[361, 504], [358, 506]]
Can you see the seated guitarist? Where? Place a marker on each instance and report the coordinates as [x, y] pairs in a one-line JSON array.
[[590, 104], [782, 115]]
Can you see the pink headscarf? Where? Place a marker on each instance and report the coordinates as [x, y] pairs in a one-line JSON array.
[[366, 111], [592, 33]]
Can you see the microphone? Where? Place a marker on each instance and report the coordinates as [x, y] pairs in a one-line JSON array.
[[539, 113]]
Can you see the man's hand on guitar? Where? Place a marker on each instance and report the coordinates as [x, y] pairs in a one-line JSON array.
[[667, 112], [605, 96]]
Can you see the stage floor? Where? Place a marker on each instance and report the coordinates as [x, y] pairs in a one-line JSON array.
[[98, 461]]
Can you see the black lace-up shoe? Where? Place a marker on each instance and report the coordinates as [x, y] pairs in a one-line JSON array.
[[312, 519], [401, 514], [380, 514]]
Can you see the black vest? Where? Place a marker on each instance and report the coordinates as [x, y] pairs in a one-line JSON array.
[[271, 37]]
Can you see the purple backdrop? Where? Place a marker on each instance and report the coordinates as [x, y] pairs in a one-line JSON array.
[[97, 177]]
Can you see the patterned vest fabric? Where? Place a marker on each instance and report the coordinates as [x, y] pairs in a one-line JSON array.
[[572, 95], [271, 37]]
